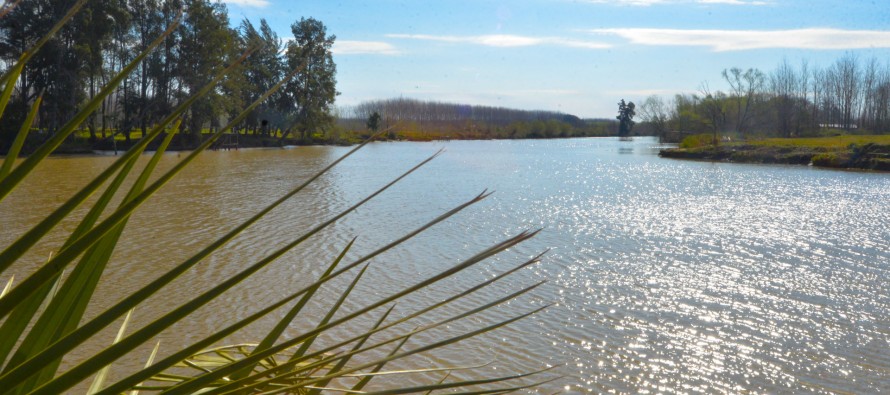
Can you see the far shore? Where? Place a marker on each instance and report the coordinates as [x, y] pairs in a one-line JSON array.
[[868, 152]]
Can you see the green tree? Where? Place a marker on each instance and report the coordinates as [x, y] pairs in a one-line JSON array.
[[163, 66], [626, 113], [92, 34], [374, 122], [54, 69], [262, 70], [309, 96], [206, 44], [21, 28], [147, 23]]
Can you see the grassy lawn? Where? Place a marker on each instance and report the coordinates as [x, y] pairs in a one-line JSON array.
[[834, 142], [137, 134], [85, 134]]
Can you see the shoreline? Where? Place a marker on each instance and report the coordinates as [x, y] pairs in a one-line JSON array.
[[868, 156], [85, 148], [82, 147]]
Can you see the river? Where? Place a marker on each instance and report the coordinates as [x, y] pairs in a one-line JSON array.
[[666, 276]]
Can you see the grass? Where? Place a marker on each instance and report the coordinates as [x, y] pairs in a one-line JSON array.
[[845, 151], [833, 142], [84, 134], [43, 310]]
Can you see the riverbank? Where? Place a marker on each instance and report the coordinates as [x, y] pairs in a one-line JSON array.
[[83, 146], [841, 152], [230, 141]]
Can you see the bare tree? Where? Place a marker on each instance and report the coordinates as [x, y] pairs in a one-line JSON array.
[[745, 85], [713, 108], [881, 100], [845, 80], [655, 112], [802, 107], [783, 83]]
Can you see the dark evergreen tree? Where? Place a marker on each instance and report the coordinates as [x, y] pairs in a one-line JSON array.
[[56, 69], [262, 70], [308, 97], [626, 113], [374, 122], [206, 42]]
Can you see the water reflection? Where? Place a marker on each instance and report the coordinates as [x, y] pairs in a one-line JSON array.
[[670, 276]]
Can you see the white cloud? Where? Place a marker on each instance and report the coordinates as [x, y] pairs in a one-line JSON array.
[[490, 40], [733, 2], [249, 3], [646, 92], [548, 92], [505, 40], [738, 40], [363, 47], [646, 3]]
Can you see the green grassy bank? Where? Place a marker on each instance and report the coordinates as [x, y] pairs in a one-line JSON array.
[[847, 152]]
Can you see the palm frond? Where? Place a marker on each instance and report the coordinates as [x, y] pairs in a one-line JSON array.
[[41, 315]]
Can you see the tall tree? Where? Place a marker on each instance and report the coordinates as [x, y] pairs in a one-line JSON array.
[[713, 110], [21, 28], [846, 75], [783, 83], [655, 112], [374, 122], [93, 30], [626, 113], [261, 71], [164, 67], [147, 23], [206, 43], [55, 69], [746, 85], [308, 97]]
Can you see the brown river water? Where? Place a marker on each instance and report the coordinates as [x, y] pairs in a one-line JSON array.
[[666, 276]]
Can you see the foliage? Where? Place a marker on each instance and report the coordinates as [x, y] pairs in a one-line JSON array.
[[42, 309], [261, 70], [849, 96], [99, 41], [697, 140], [56, 70], [374, 122], [204, 42], [626, 113], [834, 142], [417, 120], [307, 99], [745, 86], [858, 152], [826, 159]]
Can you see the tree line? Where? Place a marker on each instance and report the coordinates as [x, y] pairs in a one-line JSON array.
[[105, 35], [417, 119], [851, 95]]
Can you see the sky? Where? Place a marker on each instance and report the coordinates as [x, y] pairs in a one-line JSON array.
[[574, 56]]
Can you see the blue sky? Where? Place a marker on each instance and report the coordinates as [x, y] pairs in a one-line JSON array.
[[574, 56]]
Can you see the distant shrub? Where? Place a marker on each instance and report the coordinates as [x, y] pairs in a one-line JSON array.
[[697, 140], [826, 159], [881, 164]]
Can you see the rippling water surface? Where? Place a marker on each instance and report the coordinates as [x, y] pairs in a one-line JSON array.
[[667, 276]]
